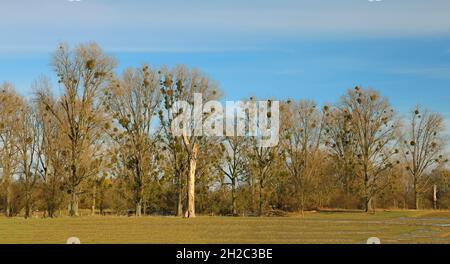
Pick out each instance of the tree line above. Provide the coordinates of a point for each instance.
(103, 144)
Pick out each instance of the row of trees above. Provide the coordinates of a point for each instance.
(105, 142)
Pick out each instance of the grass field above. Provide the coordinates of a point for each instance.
(390, 227)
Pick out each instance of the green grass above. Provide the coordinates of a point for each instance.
(390, 227)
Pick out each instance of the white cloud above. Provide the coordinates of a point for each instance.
(156, 23)
(349, 16)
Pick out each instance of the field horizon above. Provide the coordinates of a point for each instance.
(391, 226)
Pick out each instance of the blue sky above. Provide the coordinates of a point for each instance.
(285, 48)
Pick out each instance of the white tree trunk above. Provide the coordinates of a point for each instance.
(435, 197)
(138, 209)
(190, 212)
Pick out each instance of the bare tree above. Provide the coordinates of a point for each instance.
(423, 146)
(374, 129)
(182, 84)
(28, 132)
(262, 159)
(302, 133)
(175, 161)
(10, 105)
(99, 143)
(133, 101)
(52, 154)
(233, 164)
(340, 144)
(82, 74)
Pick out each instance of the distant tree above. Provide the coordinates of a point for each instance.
(28, 132)
(233, 164)
(181, 84)
(82, 73)
(374, 129)
(133, 101)
(423, 147)
(52, 154)
(302, 135)
(441, 187)
(149, 140)
(208, 175)
(340, 145)
(10, 105)
(175, 162)
(262, 159)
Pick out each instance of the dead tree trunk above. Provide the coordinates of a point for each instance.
(139, 208)
(435, 207)
(190, 212)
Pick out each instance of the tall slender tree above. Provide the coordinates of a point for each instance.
(133, 101)
(82, 73)
(233, 164)
(10, 105)
(51, 148)
(423, 147)
(182, 85)
(28, 133)
(341, 147)
(374, 128)
(302, 134)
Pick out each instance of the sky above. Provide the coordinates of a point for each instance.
(299, 49)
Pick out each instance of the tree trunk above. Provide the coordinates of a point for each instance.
(368, 204)
(139, 208)
(261, 199)
(51, 203)
(73, 204)
(27, 205)
(180, 195)
(144, 211)
(302, 204)
(435, 197)
(233, 196)
(139, 199)
(373, 206)
(190, 212)
(50, 212)
(8, 200)
(101, 201)
(367, 198)
(252, 195)
(416, 200)
(416, 195)
(94, 197)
